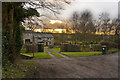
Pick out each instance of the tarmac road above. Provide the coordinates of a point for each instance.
(100, 66)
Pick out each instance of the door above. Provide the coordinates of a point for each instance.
(46, 43)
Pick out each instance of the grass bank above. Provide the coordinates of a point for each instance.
(18, 70)
(39, 55)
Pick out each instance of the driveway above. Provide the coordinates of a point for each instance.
(50, 50)
(101, 66)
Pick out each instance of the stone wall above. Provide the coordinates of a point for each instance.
(36, 48)
(66, 47)
(40, 47)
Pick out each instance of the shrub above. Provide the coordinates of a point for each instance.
(23, 50)
(85, 48)
(117, 41)
(66, 47)
(50, 46)
(113, 50)
(97, 47)
(109, 44)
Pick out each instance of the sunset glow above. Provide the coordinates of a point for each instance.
(59, 30)
(55, 21)
(70, 31)
(54, 31)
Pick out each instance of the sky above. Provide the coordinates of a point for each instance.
(95, 6)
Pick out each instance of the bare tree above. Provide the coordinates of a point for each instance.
(82, 24)
(104, 16)
(104, 19)
(75, 21)
(117, 27)
(52, 7)
(86, 23)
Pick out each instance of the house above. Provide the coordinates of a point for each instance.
(30, 36)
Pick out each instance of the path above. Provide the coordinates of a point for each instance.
(50, 50)
(102, 66)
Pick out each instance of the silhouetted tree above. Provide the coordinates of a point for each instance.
(104, 19)
(82, 24)
(86, 23)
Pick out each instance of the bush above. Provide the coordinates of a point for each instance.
(66, 47)
(109, 44)
(117, 41)
(50, 46)
(97, 47)
(112, 50)
(85, 48)
(23, 50)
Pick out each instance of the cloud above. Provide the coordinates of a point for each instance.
(96, 7)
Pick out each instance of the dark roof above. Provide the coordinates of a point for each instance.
(29, 31)
(43, 35)
(38, 34)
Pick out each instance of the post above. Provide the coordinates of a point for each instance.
(33, 45)
(33, 50)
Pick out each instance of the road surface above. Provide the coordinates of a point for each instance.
(100, 66)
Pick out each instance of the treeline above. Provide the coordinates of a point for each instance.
(82, 39)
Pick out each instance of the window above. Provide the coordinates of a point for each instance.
(40, 38)
(40, 42)
(45, 38)
(48, 38)
(27, 40)
(49, 42)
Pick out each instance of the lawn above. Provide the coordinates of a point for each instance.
(39, 55)
(56, 55)
(79, 54)
(46, 48)
(55, 49)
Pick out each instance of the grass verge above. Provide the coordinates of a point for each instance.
(79, 54)
(13, 72)
(30, 63)
(56, 55)
(113, 50)
(17, 70)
